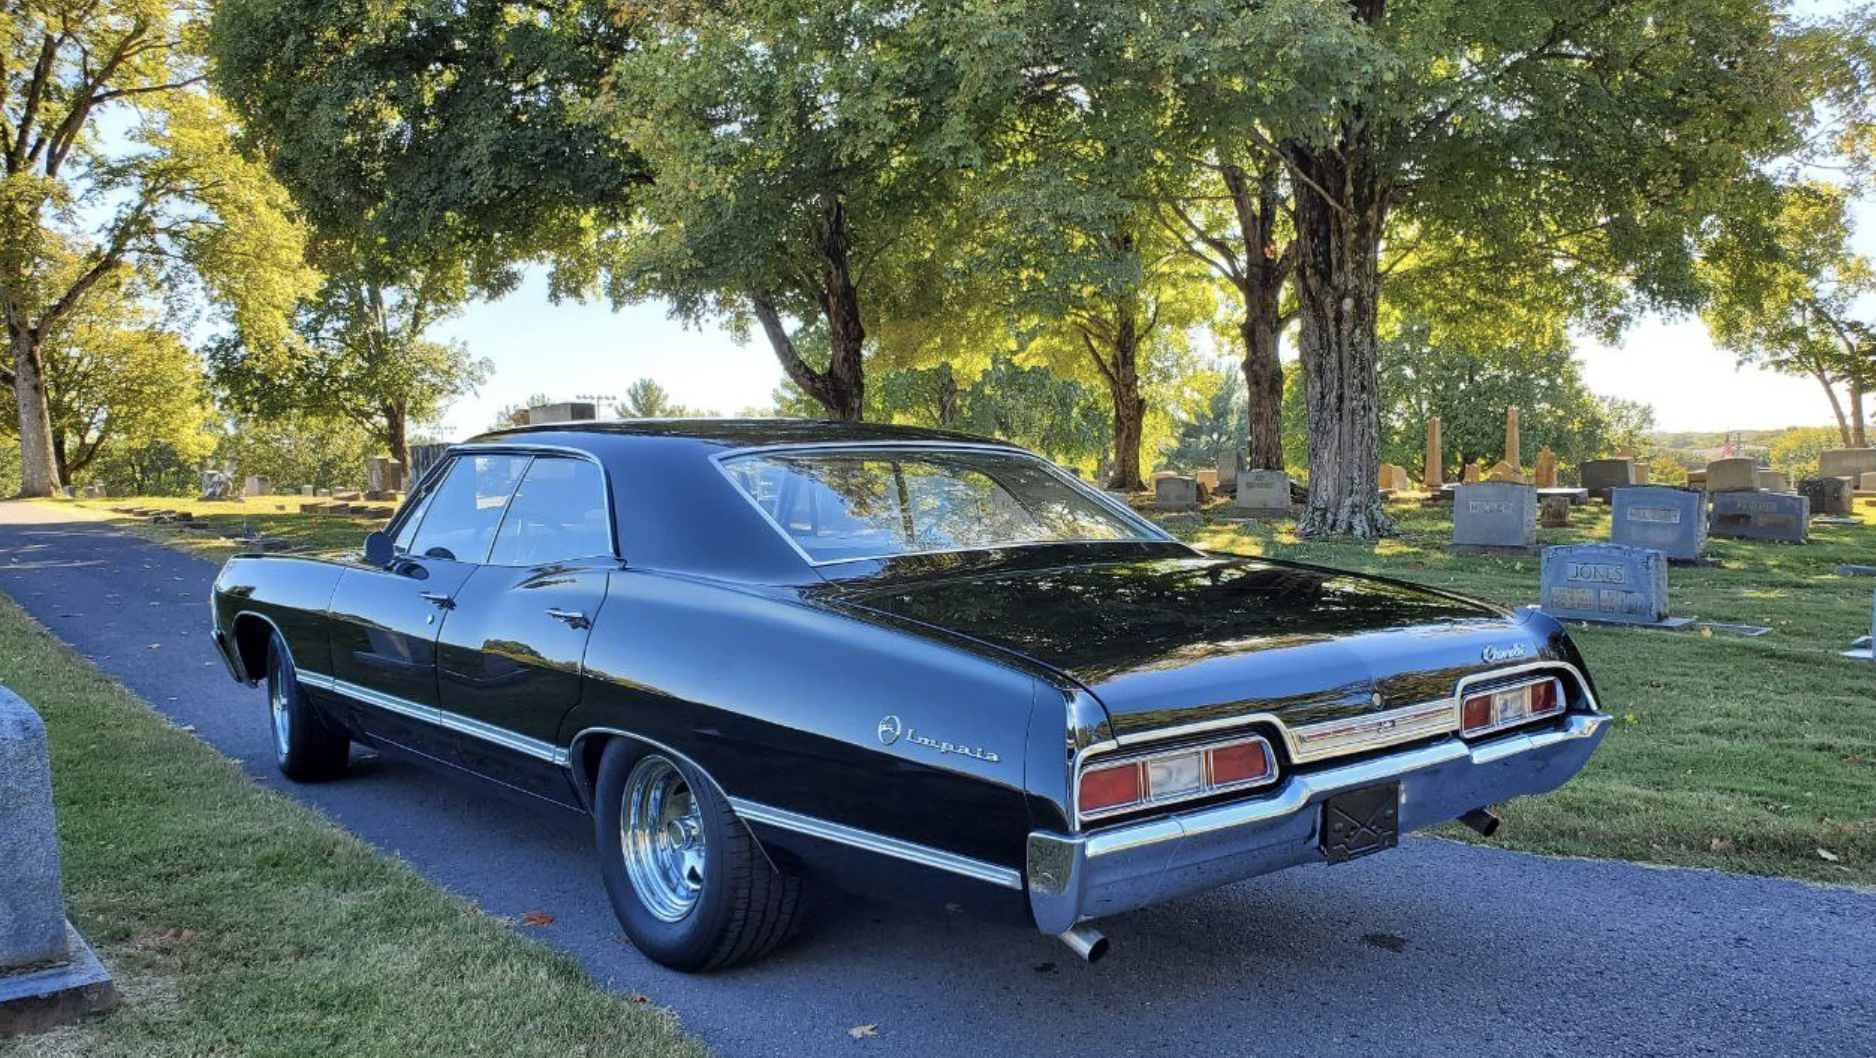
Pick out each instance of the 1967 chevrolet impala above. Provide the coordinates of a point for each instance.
(895, 661)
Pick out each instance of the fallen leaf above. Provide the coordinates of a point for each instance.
(536, 918)
(861, 1032)
(1706, 633)
(475, 907)
(1827, 856)
(1722, 845)
(638, 997)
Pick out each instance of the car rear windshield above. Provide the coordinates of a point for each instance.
(845, 505)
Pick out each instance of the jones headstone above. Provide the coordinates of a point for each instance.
(1262, 494)
(1174, 493)
(1602, 476)
(1761, 516)
(1495, 515)
(1669, 520)
(1605, 583)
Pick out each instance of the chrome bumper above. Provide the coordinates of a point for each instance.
(1075, 877)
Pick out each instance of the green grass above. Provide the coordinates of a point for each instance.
(239, 922)
(219, 528)
(1736, 753)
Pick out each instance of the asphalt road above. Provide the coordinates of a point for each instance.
(1434, 949)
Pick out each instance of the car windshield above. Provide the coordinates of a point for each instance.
(841, 505)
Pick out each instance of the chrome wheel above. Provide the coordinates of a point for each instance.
(277, 706)
(661, 830)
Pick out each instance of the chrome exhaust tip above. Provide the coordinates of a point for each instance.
(1085, 941)
(1481, 820)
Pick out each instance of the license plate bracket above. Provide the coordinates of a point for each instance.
(1357, 823)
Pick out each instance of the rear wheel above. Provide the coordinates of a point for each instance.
(306, 748)
(688, 881)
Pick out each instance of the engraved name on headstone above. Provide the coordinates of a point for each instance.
(1761, 516)
(1495, 515)
(1605, 583)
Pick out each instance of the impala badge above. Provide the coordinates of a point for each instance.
(891, 730)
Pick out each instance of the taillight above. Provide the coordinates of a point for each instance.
(1507, 706)
(1175, 775)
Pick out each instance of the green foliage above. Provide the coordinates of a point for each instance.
(1426, 372)
(1212, 420)
(1799, 450)
(298, 448)
(646, 399)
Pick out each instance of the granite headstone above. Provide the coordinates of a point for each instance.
(1761, 516)
(1827, 495)
(1495, 514)
(1606, 583)
(1669, 520)
(1602, 476)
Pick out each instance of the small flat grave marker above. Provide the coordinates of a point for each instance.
(1864, 649)
(1668, 520)
(1761, 516)
(1607, 584)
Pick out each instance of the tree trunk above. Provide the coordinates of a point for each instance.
(396, 434)
(61, 458)
(947, 399)
(39, 470)
(1836, 406)
(1859, 438)
(1123, 378)
(1260, 285)
(1338, 285)
(841, 389)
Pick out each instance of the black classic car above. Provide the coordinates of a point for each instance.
(896, 661)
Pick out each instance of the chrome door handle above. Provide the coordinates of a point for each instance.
(571, 618)
(437, 599)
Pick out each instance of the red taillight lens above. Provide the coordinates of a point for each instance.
(1103, 789)
(1243, 762)
(1512, 705)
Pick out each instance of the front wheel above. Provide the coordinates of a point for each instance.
(689, 883)
(306, 748)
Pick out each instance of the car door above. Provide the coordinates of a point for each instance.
(511, 652)
(385, 622)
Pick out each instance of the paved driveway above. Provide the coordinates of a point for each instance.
(1436, 949)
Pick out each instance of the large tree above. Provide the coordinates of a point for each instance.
(800, 154)
(1570, 137)
(1790, 294)
(163, 191)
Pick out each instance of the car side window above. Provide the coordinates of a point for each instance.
(462, 513)
(558, 513)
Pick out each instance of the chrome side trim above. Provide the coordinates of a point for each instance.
(391, 703)
(1332, 738)
(1154, 534)
(911, 852)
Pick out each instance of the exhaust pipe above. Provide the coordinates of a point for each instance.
(1481, 820)
(1085, 941)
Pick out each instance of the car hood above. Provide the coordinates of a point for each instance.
(1168, 641)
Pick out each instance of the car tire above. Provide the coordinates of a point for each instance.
(689, 882)
(306, 747)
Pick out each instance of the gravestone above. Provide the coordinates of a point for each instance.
(1546, 468)
(258, 485)
(47, 974)
(215, 485)
(1669, 520)
(1761, 516)
(383, 475)
(1514, 451)
(1554, 511)
(1732, 475)
(1643, 473)
(1850, 463)
(1504, 473)
(1207, 479)
(423, 457)
(1495, 515)
(1471, 476)
(1603, 476)
(568, 411)
(1867, 483)
(1697, 479)
(322, 493)
(1174, 493)
(1229, 462)
(1773, 481)
(1432, 473)
(1262, 494)
(1607, 584)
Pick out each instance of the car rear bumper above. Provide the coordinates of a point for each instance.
(1075, 877)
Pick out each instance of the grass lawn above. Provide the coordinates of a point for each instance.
(239, 922)
(222, 528)
(1755, 755)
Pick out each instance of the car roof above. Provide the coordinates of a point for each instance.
(726, 433)
(675, 509)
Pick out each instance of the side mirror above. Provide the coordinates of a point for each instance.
(378, 550)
